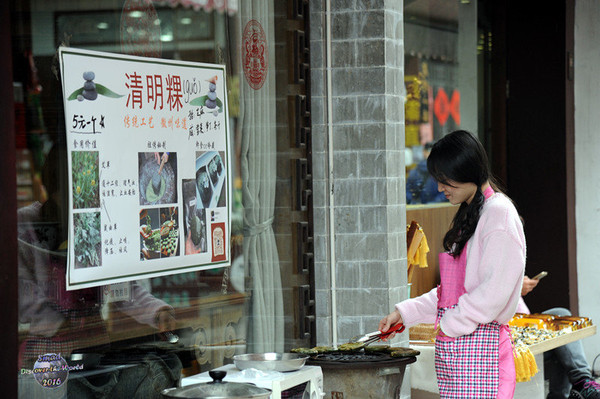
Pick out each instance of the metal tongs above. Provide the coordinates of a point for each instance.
(378, 335)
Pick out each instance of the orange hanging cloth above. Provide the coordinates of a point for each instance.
(417, 248)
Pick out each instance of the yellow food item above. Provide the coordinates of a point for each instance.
(528, 322)
(549, 322)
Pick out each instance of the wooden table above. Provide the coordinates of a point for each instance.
(423, 379)
(561, 340)
(535, 388)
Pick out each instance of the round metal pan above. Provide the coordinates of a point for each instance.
(270, 361)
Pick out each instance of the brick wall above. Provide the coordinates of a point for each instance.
(368, 163)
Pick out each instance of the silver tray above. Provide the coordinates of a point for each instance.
(270, 361)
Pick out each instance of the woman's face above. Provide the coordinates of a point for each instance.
(458, 193)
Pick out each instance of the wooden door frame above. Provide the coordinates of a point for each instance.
(570, 152)
(501, 90)
(8, 214)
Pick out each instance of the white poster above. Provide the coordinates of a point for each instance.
(149, 167)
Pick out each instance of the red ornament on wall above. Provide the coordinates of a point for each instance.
(455, 106)
(441, 106)
(444, 107)
(255, 54)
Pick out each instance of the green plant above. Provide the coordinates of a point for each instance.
(88, 240)
(86, 193)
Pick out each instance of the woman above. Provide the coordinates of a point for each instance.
(481, 277)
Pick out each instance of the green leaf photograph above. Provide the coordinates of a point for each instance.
(88, 239)
(85, 175)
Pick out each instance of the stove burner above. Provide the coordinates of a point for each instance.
(358, 360)
(352, 357)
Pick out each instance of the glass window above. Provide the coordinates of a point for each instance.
(441, 80)
(158, 328)
(441, 84)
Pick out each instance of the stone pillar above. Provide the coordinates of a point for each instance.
(369, 205)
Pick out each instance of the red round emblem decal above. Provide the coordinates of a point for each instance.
(255, 54)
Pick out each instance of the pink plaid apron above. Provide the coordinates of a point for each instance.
(470, 366)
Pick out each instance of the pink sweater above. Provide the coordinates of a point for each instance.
(494, 275)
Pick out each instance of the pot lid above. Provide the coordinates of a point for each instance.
(218, 389)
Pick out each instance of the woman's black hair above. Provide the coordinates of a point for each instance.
(459, 157)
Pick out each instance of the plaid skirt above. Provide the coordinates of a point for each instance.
(467, 367)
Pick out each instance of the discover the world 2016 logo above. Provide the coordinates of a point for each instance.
(51, 370)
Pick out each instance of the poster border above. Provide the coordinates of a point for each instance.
(80, 284)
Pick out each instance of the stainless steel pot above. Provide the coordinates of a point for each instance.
(218, 389)
(270, 361)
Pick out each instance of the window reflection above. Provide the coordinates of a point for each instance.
(208, 313)
(88, 319)
(56, 321)
(421, 187)
(432, 107)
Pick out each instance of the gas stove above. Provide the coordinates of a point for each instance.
(359, 359)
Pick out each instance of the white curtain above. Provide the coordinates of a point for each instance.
(258, 164)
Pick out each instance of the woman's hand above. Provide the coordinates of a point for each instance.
(165, 320)
(528, 285)
(388, 321)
